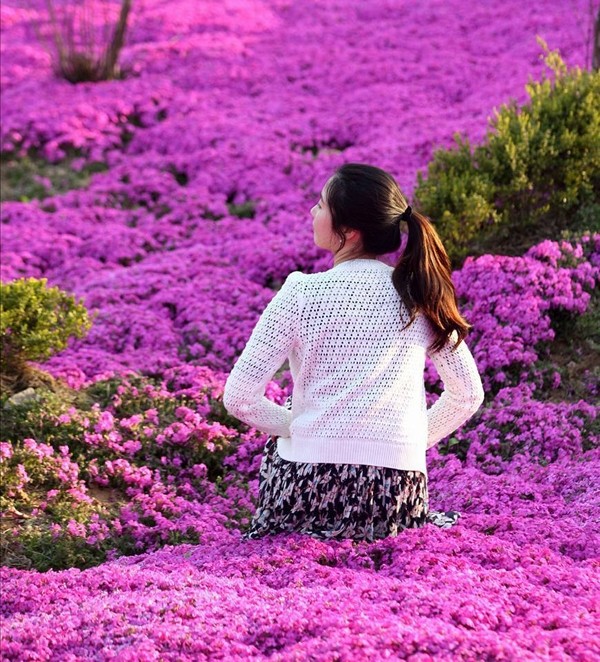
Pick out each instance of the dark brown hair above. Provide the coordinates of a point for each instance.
(369, 200)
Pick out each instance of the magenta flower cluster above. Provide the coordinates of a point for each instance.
(230, 119)
(511, 300)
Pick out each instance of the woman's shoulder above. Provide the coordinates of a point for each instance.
(302, 277)
(334, 280)
(294, 276)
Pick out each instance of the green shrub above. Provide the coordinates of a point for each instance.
(36, 321)
(536, 173)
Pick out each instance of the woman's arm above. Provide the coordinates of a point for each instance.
(267, 348)
(463, 390)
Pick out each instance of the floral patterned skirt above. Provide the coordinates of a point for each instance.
(339, 501)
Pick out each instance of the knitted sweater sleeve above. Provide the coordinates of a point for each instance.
(463, 390)
(267, 348)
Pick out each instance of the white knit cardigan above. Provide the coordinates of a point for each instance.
(358, 388)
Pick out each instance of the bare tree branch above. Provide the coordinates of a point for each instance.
(74, 38)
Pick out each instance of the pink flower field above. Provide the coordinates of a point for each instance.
(213, 147)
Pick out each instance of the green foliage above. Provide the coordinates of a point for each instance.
(457, 194)
(42, 549)
(243, 210)
(575, 354)
(66, 461)
(588, 217)
(23, 474)
(36, 419)
(36, 321)
(132, 395)
(30, 177)
(536, 173)
(455, 446)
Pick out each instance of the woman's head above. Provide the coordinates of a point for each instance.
(359, 205)
(363, 205)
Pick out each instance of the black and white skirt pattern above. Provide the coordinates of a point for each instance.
(339, 501)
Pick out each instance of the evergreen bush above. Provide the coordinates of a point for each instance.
(536, 174)
(36, 321)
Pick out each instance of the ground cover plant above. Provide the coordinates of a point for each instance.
(173, 201)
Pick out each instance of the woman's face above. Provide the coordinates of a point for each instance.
(324, 236)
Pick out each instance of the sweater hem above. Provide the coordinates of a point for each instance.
(404, 456)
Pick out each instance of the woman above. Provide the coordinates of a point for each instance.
(346, 457)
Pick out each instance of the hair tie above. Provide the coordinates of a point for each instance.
(406, 214)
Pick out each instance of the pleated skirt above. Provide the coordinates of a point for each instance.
(339, 501)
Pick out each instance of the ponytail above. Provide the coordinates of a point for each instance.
(423, 280)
